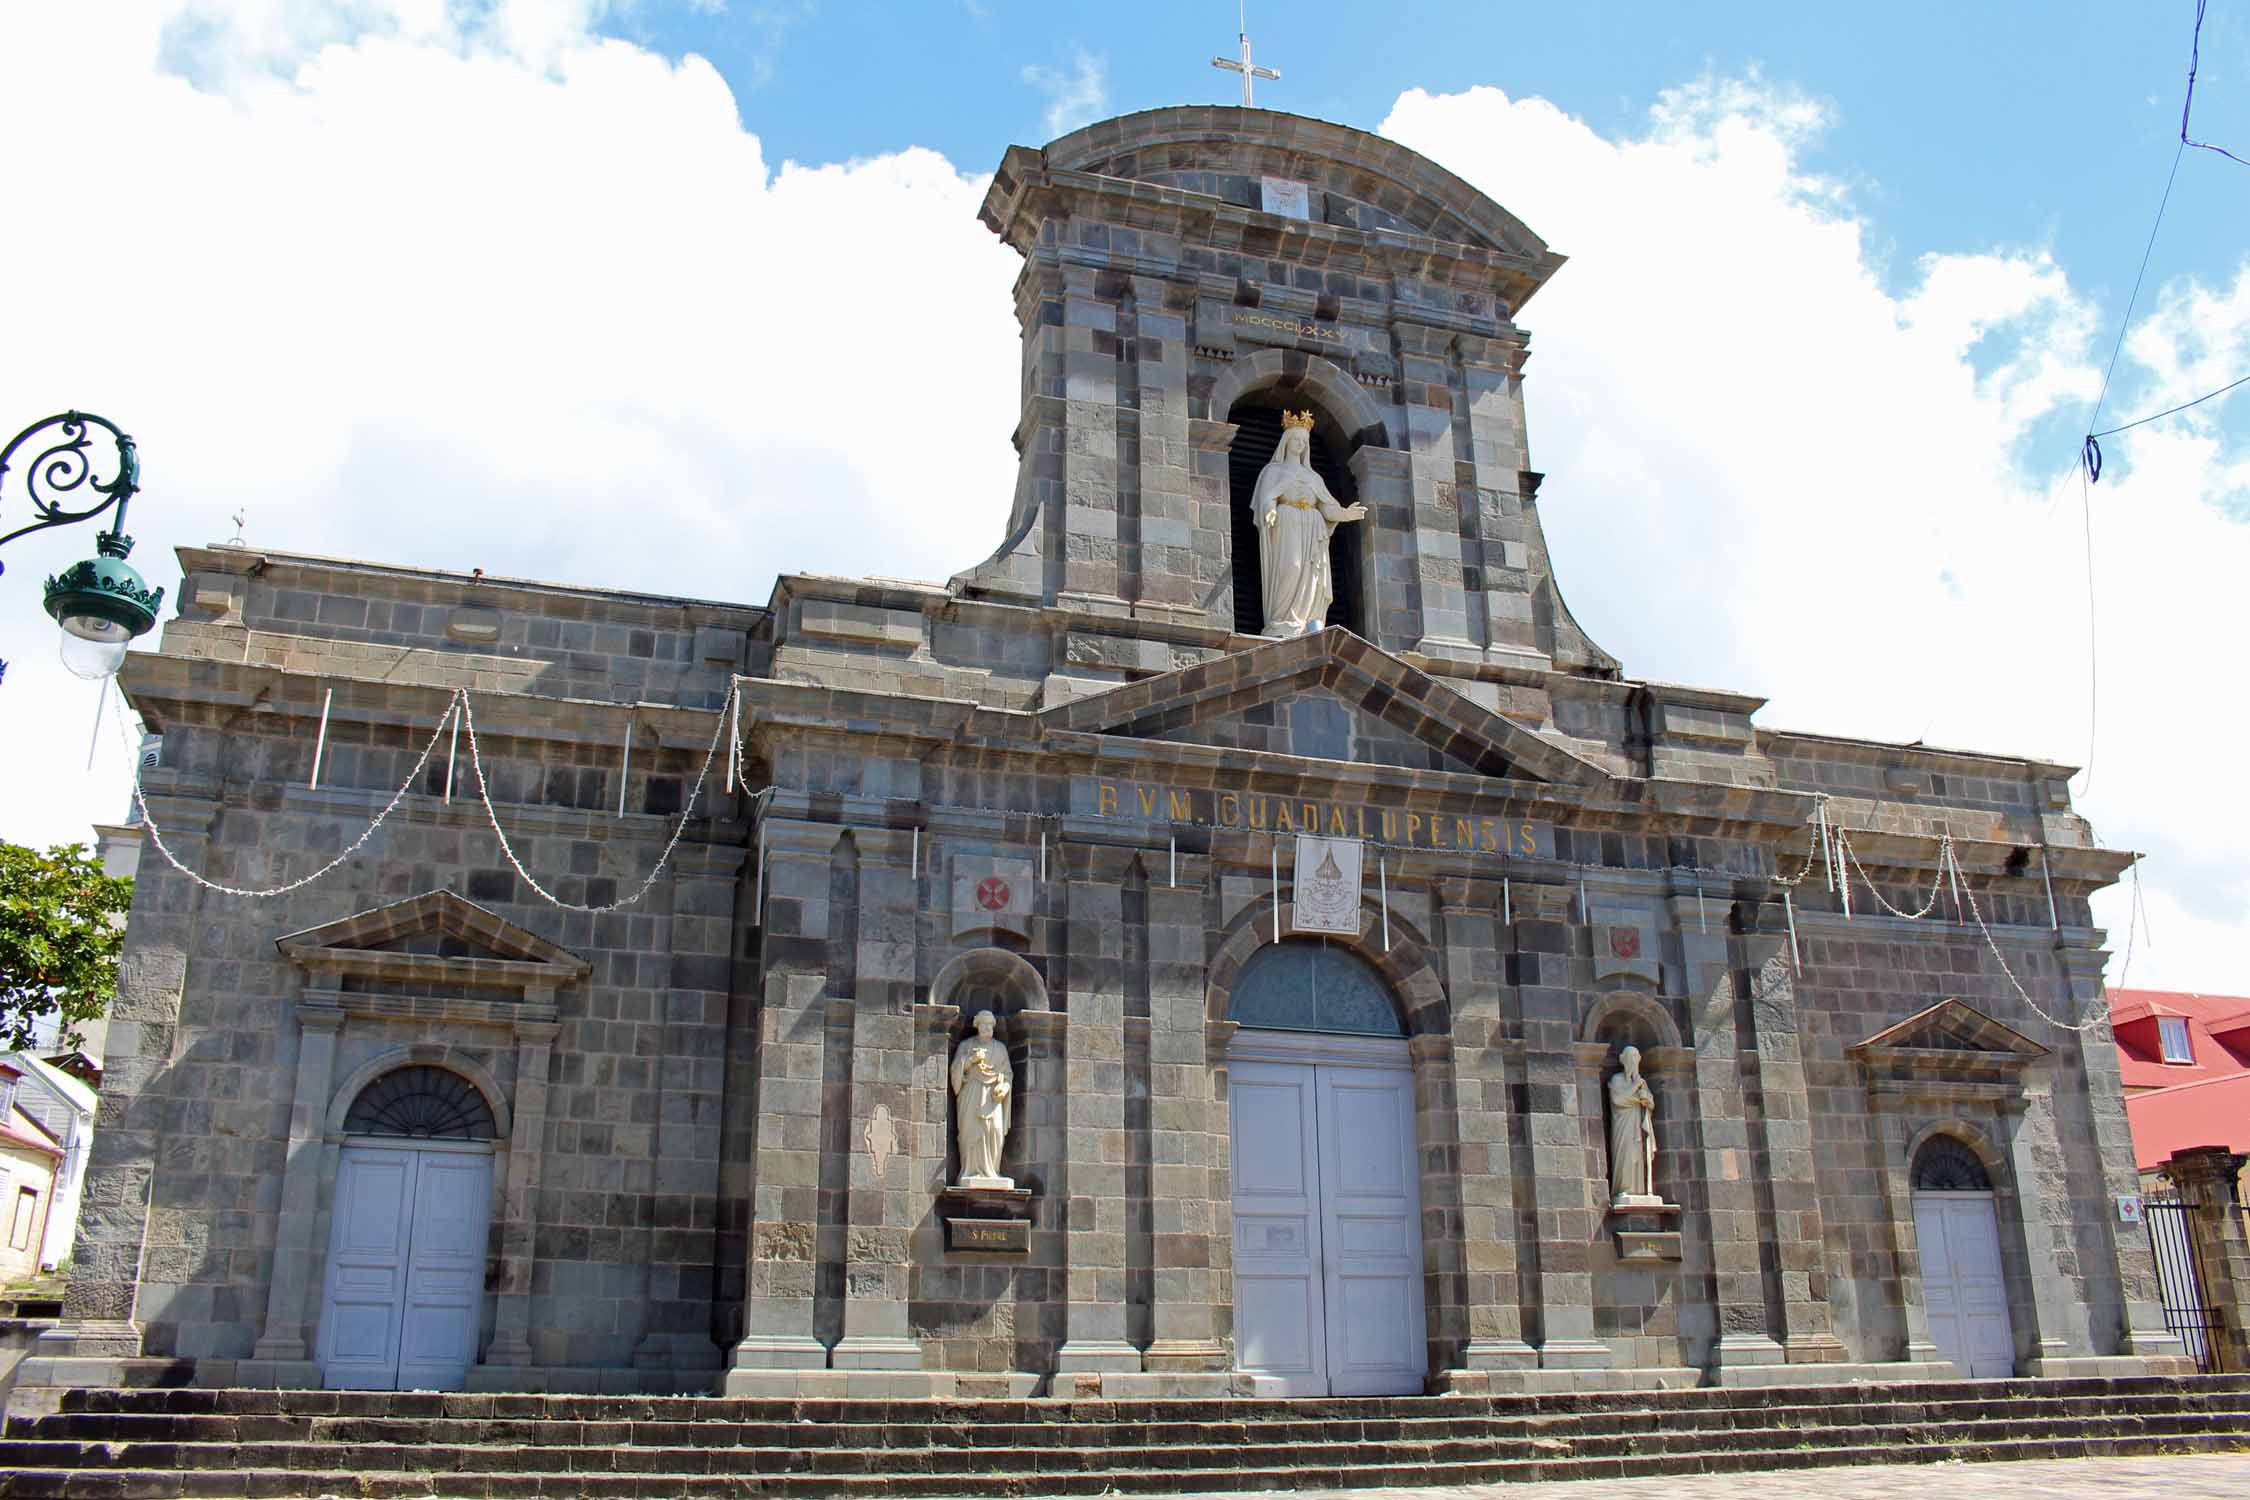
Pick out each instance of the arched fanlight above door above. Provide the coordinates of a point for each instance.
(422, 1103)
(1313, 986)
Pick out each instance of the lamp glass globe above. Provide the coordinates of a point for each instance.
(93, 647)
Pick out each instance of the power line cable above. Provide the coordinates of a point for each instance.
(2153, 416)
(2090, 451)
(2195, 58)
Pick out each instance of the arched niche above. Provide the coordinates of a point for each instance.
(1252, 396)
(990, 979)
(1354, 419)
(1630, 1018)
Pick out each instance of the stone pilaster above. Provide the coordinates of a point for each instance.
(1895, 1170)
(2144, 1332)
(1390, 585)
(144, 1021)
(2042, 1189)
(930, 1137)
(1785, 1125)
(288, 1333)
(1730, 1173)
(784, 1209)
(519, 1202)
(692, 1067)
(1211, 501)
(1491, 401)
(1034, 1158)
(881, 1203)
(1168, 571)
(1493, 1295)
(1426, 396)
(1566, 1200)
(1187, 1160)
(1088, 355)
(1093, 1168)
(2209, 1179)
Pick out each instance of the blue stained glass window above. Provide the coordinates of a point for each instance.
(1313, 986)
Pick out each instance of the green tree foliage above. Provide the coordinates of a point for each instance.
(59, 938)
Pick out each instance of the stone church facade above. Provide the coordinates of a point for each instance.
(412, 1123)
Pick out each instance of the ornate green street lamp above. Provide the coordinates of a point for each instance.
(103, 603)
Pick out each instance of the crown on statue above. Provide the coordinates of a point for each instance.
(1302, 419)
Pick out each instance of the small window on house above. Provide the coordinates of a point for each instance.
(2172, 1032)
(26, 1213)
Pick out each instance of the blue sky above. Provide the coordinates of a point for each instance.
(1951, 126)
(600, 290)
(1954, 124)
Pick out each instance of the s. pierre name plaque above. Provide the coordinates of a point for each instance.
(993, 1236)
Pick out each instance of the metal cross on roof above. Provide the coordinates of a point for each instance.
(1246, 68)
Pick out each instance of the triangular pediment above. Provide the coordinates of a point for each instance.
(1329, 695)
(436, 936)
(1954, 1027)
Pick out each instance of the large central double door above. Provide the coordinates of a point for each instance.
(405, 1282)
(1327, 1239)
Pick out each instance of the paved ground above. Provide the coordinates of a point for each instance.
(2189, 1477)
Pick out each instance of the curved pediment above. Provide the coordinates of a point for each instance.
(1360, 181)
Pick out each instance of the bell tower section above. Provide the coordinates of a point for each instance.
(1188, 274)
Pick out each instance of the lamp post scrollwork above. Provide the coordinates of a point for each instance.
(101, 603)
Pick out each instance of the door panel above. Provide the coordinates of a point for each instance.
(1963, 1284)
(404, 1286)
(1280, 1322)
(1327, 1241)
(1370, 1213)
(445, 1275)
(366, 1278)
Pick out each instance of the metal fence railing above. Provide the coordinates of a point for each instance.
(2172, 1239)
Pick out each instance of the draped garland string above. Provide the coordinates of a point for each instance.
(1828, 846)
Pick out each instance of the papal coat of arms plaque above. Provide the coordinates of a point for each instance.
(1327, 885)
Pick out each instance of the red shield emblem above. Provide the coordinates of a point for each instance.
(1625, 942)
(992, 893)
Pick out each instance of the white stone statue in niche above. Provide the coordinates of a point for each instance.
(1632, 1135)
(984, 1101)
(1295, 515)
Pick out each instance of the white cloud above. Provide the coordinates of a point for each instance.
(1768, 473)
(468, 286)
(1076, 95)
(542, 308)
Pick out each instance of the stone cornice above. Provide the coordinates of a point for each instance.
(352, 576)
(165, 687)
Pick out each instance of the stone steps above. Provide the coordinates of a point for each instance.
(1441, 1425)
(270, 1402)
(183, 1443)
(972, 1462)
(236, 1484)
(967, 1467)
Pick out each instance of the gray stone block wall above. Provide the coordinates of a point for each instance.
(730, 1126)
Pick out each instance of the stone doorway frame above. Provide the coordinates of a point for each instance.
(1425, 1015)
(525, 974)
(1952, 1070)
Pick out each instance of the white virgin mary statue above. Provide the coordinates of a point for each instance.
(1295, 516)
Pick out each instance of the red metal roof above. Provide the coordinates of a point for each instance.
(2218, 1037)
(2214, 1112)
